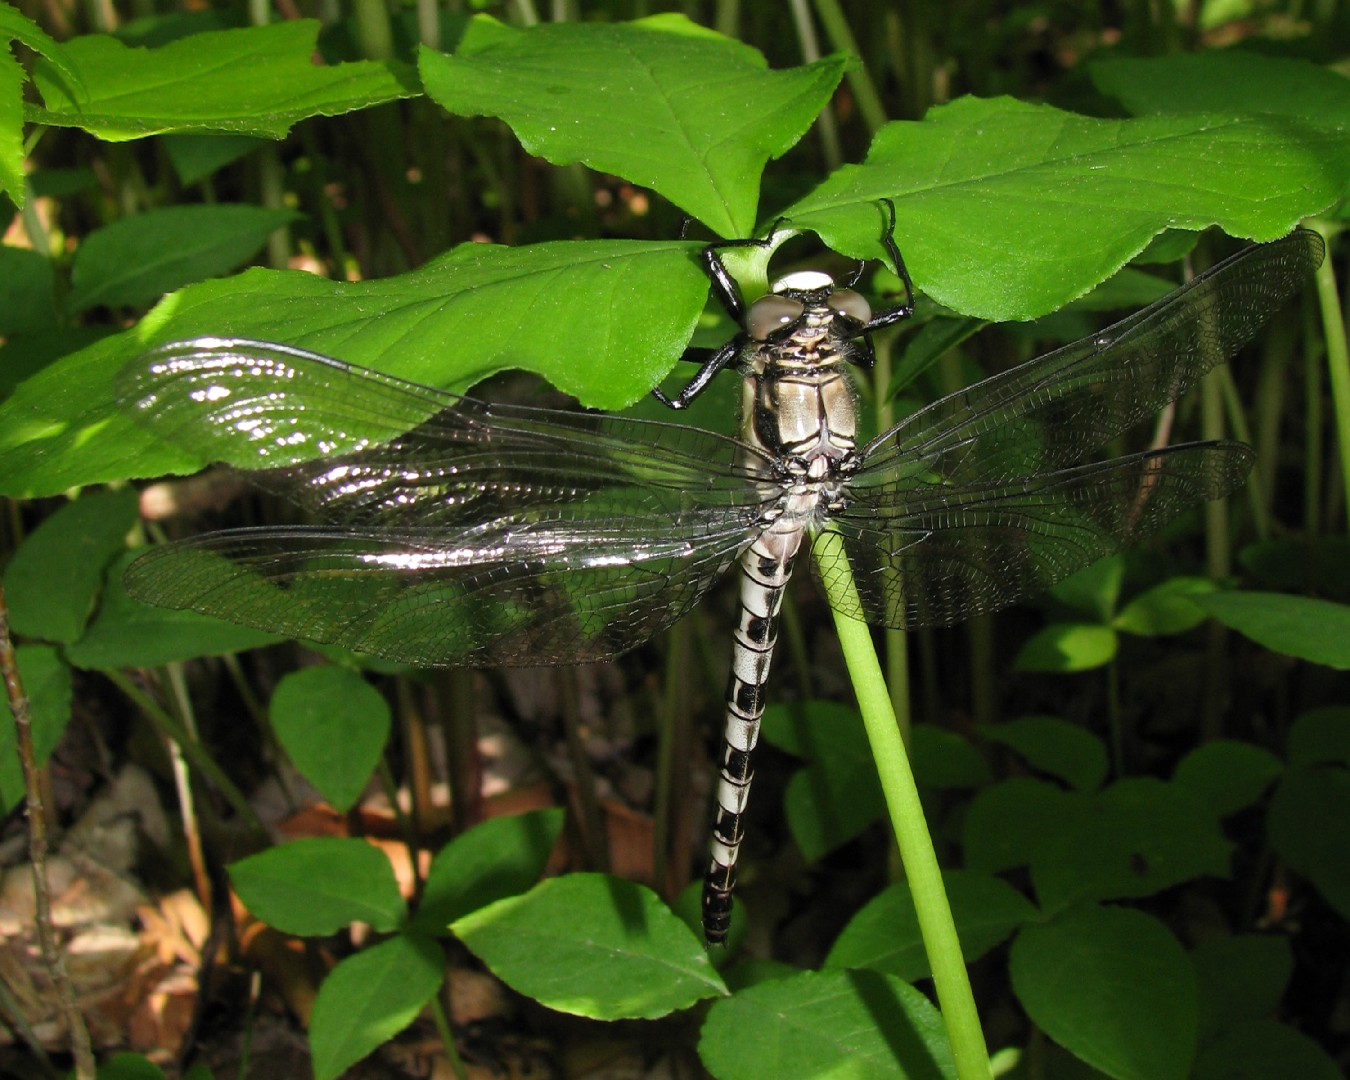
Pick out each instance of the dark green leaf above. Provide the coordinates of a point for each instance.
(260, 80)
(27, 303)
(1321, 737)
(1006, 823)
(1241, 978)
(944, 760)
(1264, 1050)
(137, 259)
(47, 685)
(129, 1067)
(884, 935)
(592, 946)
(1227, 82)
(1094, 591)
(1316, 564)
(319, 886)
(1165, 609)
(333, 726)
(1063, 648)
(1056, 747)
(55, 576)
(1112, 986)
(195, 157)
(826, 1024)
(499, 858)
(661, 102)
(1309, 826)
(127, 633)
(1228, 776)
(980, 235)
(369, 998)
(1297, 626)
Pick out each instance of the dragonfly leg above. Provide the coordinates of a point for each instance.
(892, 315)
(711, 365)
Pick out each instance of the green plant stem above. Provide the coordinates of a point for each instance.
(955, 999)
(442, 1020)
(1338, 357)
(192, 750)
(841, 38)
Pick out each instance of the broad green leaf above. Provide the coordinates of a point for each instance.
(127, 633)
(1054, 746)
(319, 886)
(837, 794)
(1318, 564)
(1241, 978)
(1112, 986)
(1309, 826)
(1094, 591)
(12, 78)
(980, 234)
(260, 80)
(333, 726)
(661, 102)
(1134, 838)
(565, 310)
(1006, 823)
(1226, 775)
(129, 1067)
(592, 946)
(195, 157)
(841, 1025)
(369, 998)
(1312, 630)
(137, 259)
(1321, 737)
(1227, 82)
(14, 26)
(944, 760)
(1165, 609)
(499, 858)
(1068, 647)
(53, 580)
(27, 302)
(1264, 1050)
(47, 685)
(885, 936)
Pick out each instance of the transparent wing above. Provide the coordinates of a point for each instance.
(461, 533)
(1051, 411)
(933, 554)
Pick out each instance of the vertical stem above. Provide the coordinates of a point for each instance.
(182, 783)
(810, 50)
(1338, 360)
(859, 81)
(37, 851)
(955, 999)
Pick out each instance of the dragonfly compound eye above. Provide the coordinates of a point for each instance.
(770, 314)
(847, 302)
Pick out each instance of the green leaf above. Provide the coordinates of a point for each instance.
(592, 946)
(1321, 737)
(1054, 746)
(1227, 82)
(47, 684)
(129, 1067)
(27, 302)
(1312, 630)
(1134, 838)
(137, 259)
(944, 760)
(369, 998)
(333, 726)
(12, 78)
(661, 102)
(1241, 978)
(1264, 1050)
(55, 576)
(260, 80)
(473, 312)
(1309, 826)
(127, 633)
(14, 26)
(1094, 591)
(195, 157)
(319, 886)
(1165, 609)
(884, 935)
(1112, 986)
(499, 858)
(1006, 823)
(1226, 775)
(836, 1024)
(981, 236)
(1063, 648)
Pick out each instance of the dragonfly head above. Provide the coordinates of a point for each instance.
(777, 313)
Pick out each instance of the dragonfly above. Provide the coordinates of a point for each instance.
(457, 532)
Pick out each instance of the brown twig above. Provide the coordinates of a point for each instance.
(37, 852)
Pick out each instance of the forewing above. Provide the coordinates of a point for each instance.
(925, 552)
(461, 533)
(1050, 412)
